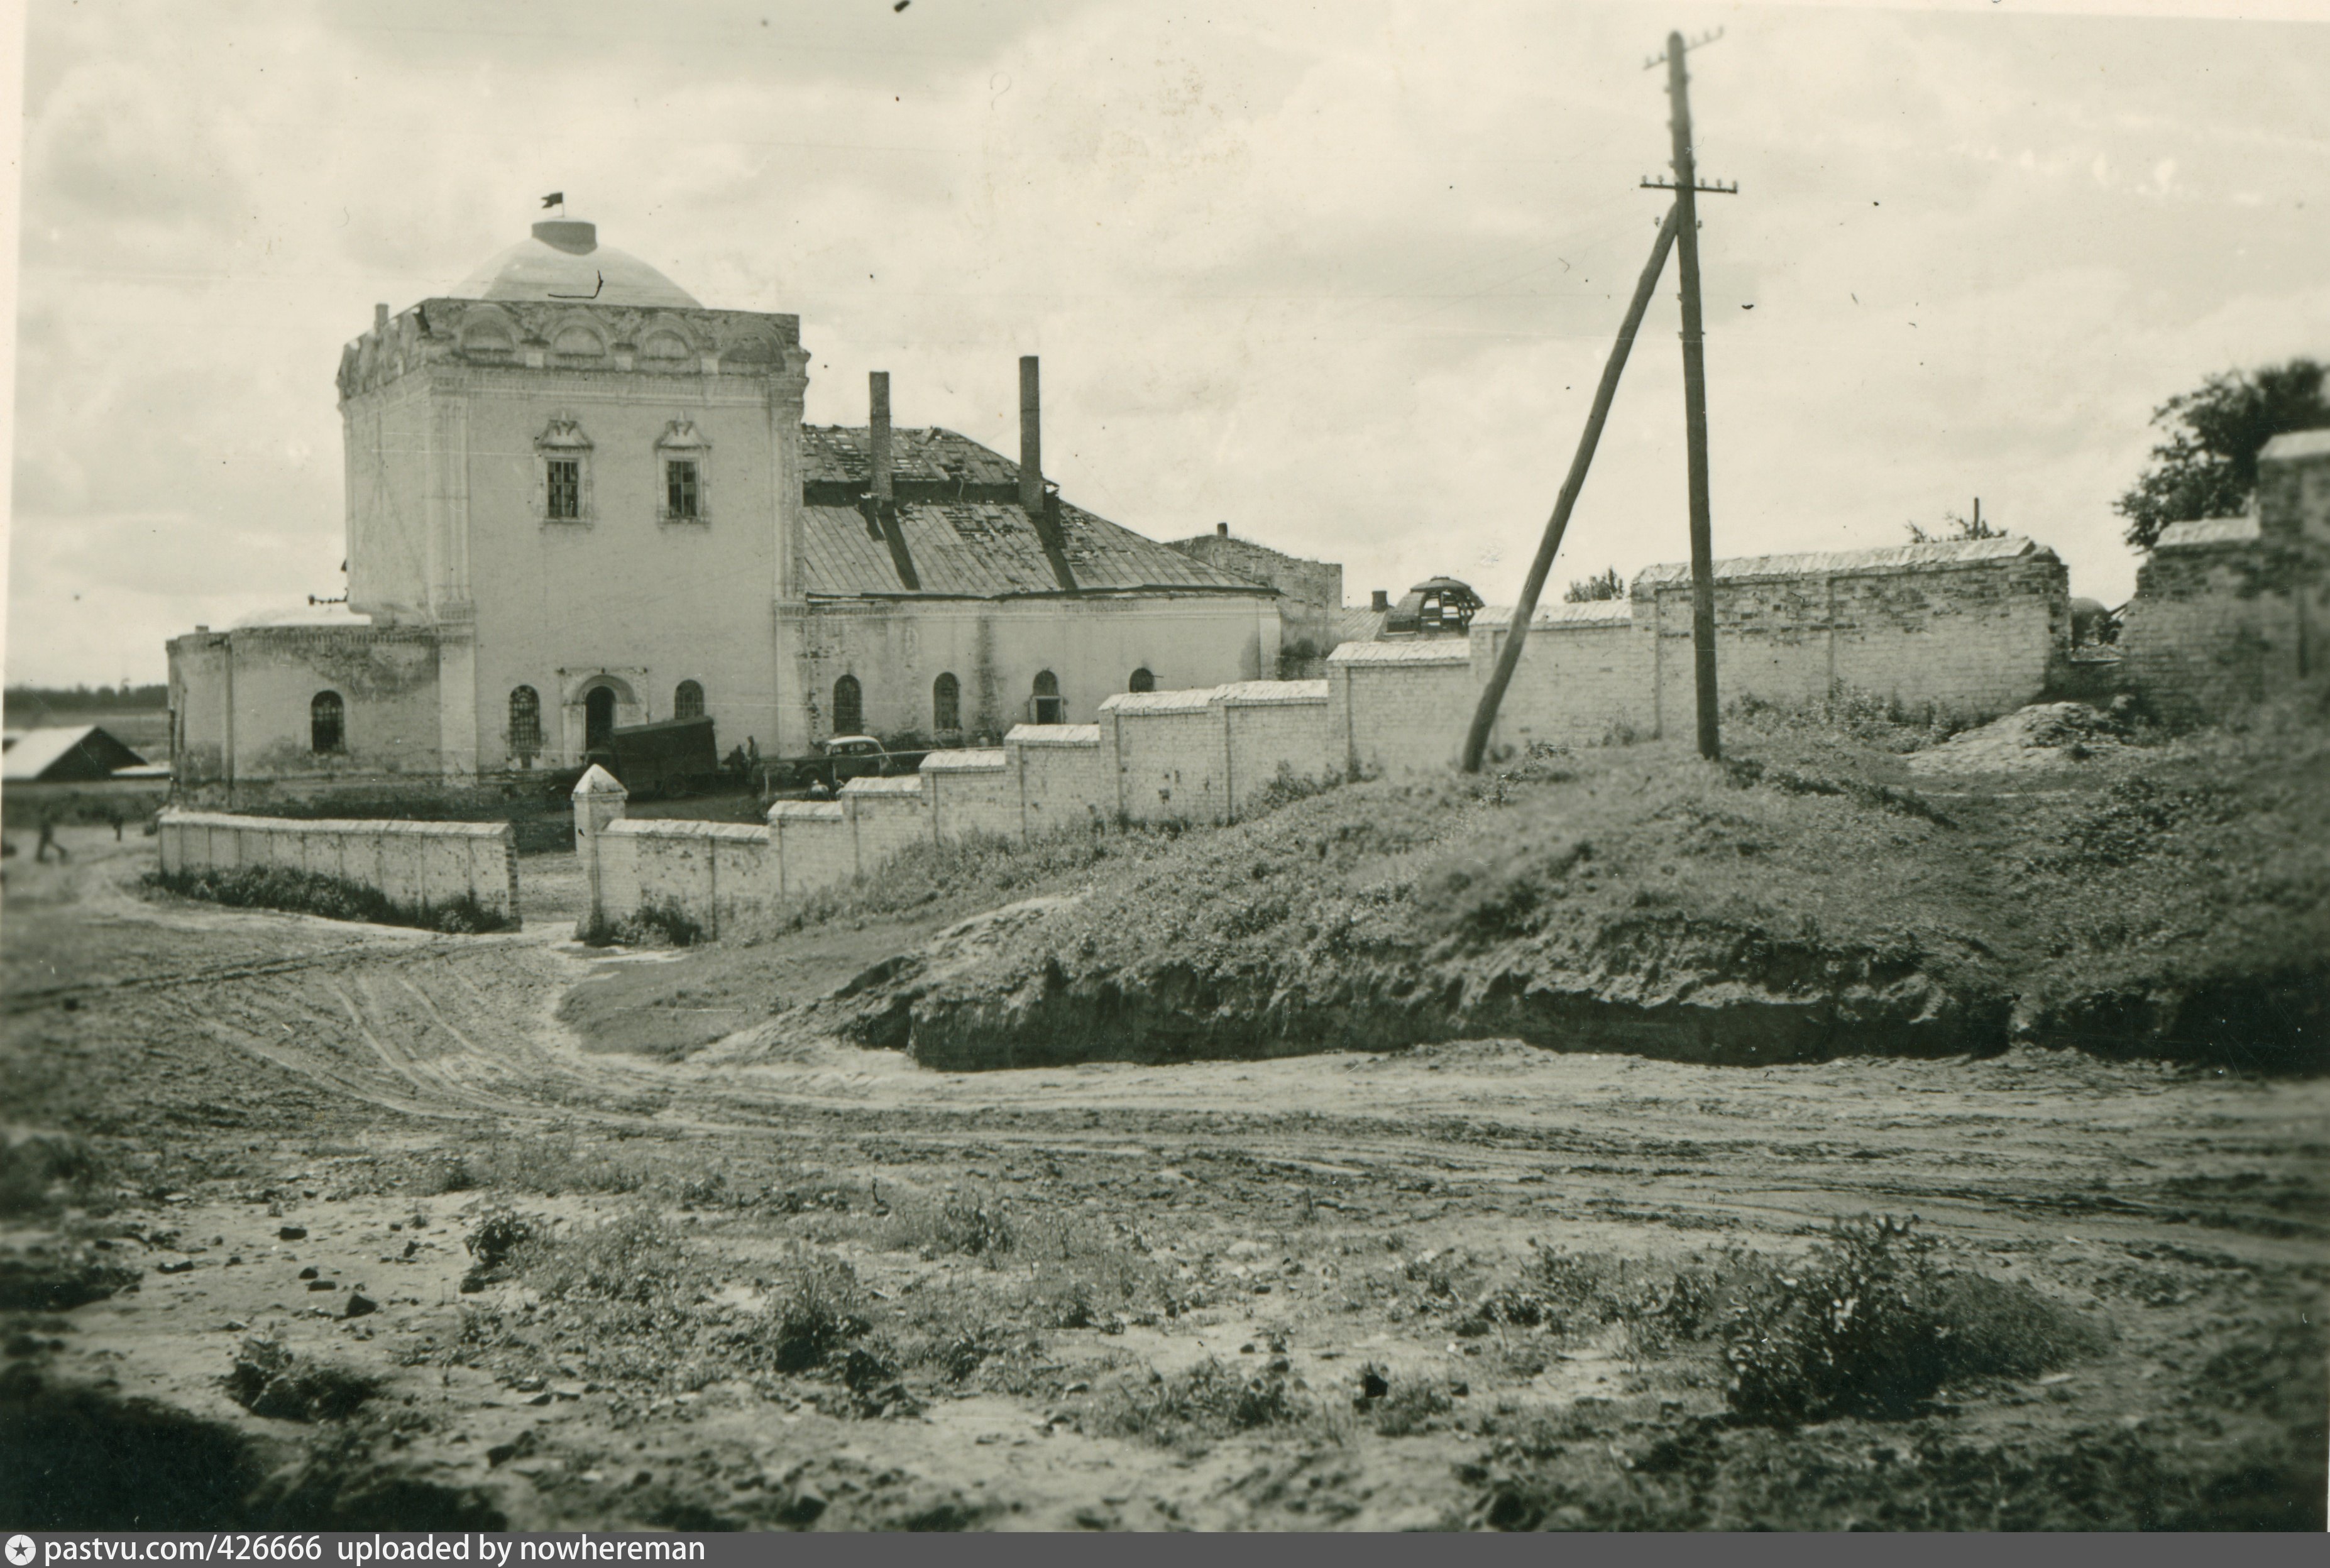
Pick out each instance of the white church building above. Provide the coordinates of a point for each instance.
(578, 499)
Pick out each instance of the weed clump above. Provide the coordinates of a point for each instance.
(1188, 1410)
(820, 1307)
(655, 924)
(41, 1173)
(633, 1257)
(1870, 1325)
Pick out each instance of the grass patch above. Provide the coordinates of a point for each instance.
(651, 925)
(308, 893)
(1802, 900)
(1190, 1411)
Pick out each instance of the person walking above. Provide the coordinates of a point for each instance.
(49, 840)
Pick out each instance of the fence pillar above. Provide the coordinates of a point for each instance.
(598, 799)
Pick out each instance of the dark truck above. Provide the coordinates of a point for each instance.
(838, 760)
(665, 758)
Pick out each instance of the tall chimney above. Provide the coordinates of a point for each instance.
(1031, 439)
(379, 321)
(877, 442)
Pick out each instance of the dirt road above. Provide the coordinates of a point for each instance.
(248, 1072)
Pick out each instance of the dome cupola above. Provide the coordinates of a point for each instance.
(563, 261)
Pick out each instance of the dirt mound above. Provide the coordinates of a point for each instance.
(2045, 735)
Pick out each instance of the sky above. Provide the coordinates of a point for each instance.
(1340, 275)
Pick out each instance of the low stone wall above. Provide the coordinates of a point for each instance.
(2225, 614)
(420, 865)
(720, 875)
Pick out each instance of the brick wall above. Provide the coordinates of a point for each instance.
(720, 874)
(2220, 622)
(1583, 676)
(1271, 729)
(1064, 778)
(1166, 751)
(1398, 707)
(2233, 610)
(814, 845)
(414, 864)
(972, 792)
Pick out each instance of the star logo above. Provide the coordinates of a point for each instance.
(20, 1550)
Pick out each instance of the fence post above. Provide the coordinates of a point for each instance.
(598, 799)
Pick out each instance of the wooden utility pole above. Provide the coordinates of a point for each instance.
(1484, 716)
(1694, 402)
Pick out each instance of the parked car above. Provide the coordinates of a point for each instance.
(841, 759)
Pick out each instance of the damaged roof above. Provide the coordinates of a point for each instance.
(962, 532)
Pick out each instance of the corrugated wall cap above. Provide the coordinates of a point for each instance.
(1194, 700)
(1054, 735)
(2204, 532)
(968, 760)
(1438, 650)
(905, 784)
(2294, 444)
(1586, 610)
(1272, 693)
(1937, 554)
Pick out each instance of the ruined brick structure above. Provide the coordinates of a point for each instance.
(1311, 599)
(2231, 609)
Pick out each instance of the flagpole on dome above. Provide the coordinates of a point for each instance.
(556, 199)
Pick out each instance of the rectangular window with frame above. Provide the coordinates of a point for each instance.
(680, 490)
(566, 489)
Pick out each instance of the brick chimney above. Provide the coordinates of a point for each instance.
(877, 436)
(1380, 598)
(1031, 439)
(1221, 530)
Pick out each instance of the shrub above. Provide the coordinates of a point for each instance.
(42, 1172)
(309, 892)
(819, 1308)
(1870, 1325)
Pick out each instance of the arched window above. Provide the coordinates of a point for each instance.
(1143, 680)
(1047, 706)
(849, 706)
(687, 701)
(599, 718)
(327, 723)
(947, 704)
(525, 722)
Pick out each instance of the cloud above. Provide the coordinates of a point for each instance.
(1341, 276)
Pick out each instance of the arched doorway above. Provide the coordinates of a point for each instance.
(598, 718)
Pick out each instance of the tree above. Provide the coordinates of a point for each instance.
(1608, 584)
(2207, 468)
(1954, 527)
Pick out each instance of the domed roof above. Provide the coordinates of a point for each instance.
(565, 261)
